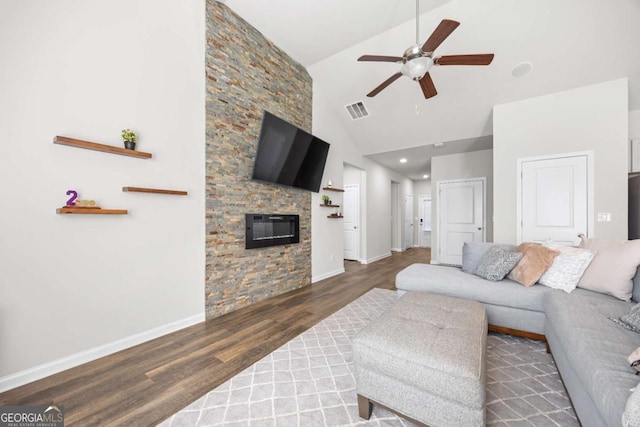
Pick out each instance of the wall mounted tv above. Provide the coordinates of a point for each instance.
(288, 155)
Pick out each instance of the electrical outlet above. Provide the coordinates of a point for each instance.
(604, 216)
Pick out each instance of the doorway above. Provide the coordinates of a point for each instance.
(408, 221)
(351, 222)
(424, 227)
(461, 212)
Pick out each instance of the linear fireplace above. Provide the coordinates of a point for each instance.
(264, 230)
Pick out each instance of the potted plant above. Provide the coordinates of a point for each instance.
(129, 138)
(326, 199)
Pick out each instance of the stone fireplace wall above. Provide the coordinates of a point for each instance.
(247, 74)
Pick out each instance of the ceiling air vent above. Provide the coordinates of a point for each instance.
(357, 110)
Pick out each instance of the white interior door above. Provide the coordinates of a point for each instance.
(408, 221)
(461, 217)
(351, 221)
(424, 232)
(554, 199)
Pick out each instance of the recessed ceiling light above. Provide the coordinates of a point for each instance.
(425, 176)
(403, 160)
(438, 145)
(521, 69)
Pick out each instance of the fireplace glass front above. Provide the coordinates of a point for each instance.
(264, 230)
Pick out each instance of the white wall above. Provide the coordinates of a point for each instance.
(634, 124)
(85, 283)
(589, 118)
(326, 236)
(457, 166)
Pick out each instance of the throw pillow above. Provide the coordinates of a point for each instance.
(567, 268)
(631, 414)
(631, 320)
(535, 262)
(612, 270)
(472, 253)
(496, 263)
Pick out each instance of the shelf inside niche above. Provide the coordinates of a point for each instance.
(335, 216)
(88, 145)
(339, 190)
(154, 191)
(91, 211)
(329, 206)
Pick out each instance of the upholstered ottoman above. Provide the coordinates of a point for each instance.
(424, 358)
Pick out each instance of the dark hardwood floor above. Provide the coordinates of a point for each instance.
(145, 384)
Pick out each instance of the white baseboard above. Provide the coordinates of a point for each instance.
(435, 261)
(378, 258)
(320, 277)
(397, 250)
(26, 376)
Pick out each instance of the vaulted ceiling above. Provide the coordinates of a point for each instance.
(570, 43)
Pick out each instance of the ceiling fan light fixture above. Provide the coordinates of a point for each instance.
(416, 68)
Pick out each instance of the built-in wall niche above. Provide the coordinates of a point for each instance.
(332, 205)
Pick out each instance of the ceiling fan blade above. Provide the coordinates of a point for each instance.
(380, 58)
(428, 88)
(479, 59)
(384, 84)
(443, 31)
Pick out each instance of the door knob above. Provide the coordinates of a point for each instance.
(479, 228)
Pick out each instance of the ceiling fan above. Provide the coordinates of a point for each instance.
(418, 59)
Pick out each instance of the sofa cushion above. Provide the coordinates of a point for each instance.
(567, 268)
(497, 263)
(452, 281)
(535, 262)
(472, 253)
(612, 269)
(596, 348)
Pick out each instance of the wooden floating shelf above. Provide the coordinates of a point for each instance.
(78, 143)
(335, 216)
(91, 211)
(154, 191)
(329, 206)
(339, 190)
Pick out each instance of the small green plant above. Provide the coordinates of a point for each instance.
(326, 199)
(129, 135)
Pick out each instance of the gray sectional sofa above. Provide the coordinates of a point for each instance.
(590, 350)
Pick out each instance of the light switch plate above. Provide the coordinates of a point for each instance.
(604, 216)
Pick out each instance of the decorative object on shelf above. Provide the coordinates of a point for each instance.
(329, 183)
(86, 204)
(72, 200)
(129, 138)
(326, 199)
(153, 190)
(78, 143)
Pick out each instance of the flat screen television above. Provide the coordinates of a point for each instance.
(287, 155)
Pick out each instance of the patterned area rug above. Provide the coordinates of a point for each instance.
(309, 382)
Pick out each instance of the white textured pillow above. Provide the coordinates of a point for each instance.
(567, 268)
(613, 268)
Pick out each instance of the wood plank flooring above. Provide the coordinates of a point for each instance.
(145, 384)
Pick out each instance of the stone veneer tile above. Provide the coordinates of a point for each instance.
(247, 74)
